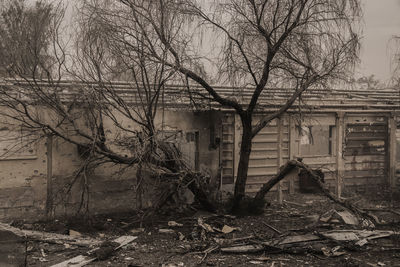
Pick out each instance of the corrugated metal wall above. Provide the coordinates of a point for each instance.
(365, 151)
(263, 163)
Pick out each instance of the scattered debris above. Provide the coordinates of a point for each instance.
(292, 239)
(362, 242)
(92, 255)
(166, 231)
(180, 264)
(204, 225)
(137, 230)
(181, 236)
(356, 235)
(334, 252)
(174, 224)
(227, 229)
(263, 259)
(333, 216)
(225, 242)
(216, 239)
(348, 218)
(74, 233)
(294, 203)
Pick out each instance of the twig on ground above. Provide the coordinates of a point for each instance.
(208, 251)
(272, 228)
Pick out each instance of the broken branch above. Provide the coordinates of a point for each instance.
(50, 237)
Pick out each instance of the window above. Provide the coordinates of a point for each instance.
(315, 140)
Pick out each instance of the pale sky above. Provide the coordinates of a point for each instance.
(382, 21)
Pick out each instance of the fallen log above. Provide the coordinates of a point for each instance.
(284, 170)
(292, 164)
(244, 249)
(50, 237)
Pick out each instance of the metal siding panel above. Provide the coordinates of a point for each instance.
(365, 151)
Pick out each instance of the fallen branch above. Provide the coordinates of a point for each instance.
(291, 165)
(272, 228)
(284, 170)
(244, 249)
(226, 242)
(50, 237)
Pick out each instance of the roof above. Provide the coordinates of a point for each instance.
(178, 96)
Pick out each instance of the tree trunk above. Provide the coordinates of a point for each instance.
(284, 170)
(245, 150)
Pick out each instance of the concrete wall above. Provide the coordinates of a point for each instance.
(24, 175)
(23, 185)
(23, 179)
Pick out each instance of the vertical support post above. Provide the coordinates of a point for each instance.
(292, 144)
(49, 197)
(279, 155)
(339, 152)
(236, 144)
(392, 150)
(197, 151)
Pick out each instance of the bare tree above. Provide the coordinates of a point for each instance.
(395, 45)
(259, 43)
(83, 113)
(24, 35)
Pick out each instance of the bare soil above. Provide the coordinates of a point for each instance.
(189, 245)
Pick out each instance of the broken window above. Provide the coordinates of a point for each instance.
(315, 140)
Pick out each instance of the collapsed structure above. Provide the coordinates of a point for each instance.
(353, 136)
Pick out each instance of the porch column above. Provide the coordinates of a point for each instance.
(49, 196)
(392, 150)
(279, 122)
(292, 144)
(339, 152)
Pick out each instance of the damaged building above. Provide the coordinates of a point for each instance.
(353, 136)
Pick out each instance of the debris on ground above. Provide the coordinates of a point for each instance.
(319, 233)
(174, 224)
(102, 253)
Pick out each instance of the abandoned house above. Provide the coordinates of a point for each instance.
(353, 136)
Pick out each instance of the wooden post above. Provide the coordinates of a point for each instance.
(339, 152)
(49, 197)
(392, 150)
(236, 144)
(279, 122)
(292, 144)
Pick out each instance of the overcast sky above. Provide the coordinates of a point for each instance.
(382, 21)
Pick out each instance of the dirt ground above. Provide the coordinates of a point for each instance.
(190, 245)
